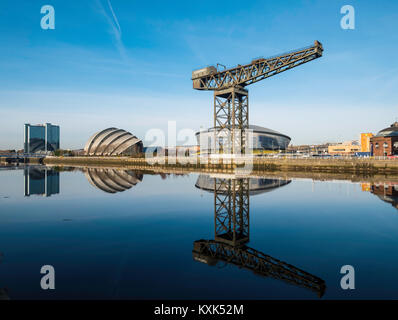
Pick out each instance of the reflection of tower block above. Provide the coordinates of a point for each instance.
(231, 205)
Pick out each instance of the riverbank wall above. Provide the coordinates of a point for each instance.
(351, 165)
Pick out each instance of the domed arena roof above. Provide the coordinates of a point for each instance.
(391, 131)
(267, 130)
(112, 141)
(112, 180)
(257, 129)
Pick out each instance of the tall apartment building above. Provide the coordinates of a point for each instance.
(41, 137)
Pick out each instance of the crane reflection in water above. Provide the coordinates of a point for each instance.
(231, 231)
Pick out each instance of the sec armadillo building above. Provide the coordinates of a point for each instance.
(263, 140)
(113, 142)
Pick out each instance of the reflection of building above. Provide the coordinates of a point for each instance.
(41, 181)
(112, 180)
(385, 143)
(4, 294)
(256, 185)
(263, 139)
(231, 234)
(3, 291)
(387, 192)
(365, 142)
(42, 137)
(345, 148)
(113, 142)
(365, 186)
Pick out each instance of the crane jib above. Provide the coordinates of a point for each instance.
(260, 68)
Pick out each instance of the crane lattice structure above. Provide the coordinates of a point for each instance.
(210, 252)
(231, 234)
(231, 210)
(231, 99)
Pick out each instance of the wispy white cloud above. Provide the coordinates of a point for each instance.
(115, 18)
(116, 30)
(109, 14)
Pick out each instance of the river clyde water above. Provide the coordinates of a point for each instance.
(121, 234)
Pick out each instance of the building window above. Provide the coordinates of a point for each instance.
(377, 145)
(385, 145)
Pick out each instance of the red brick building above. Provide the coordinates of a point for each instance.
(385, 143)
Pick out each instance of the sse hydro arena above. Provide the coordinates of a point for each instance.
(264, 140)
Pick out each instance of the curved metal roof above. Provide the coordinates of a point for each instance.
(111, 141)
(255, 129)
(391, 131)
(90, 141)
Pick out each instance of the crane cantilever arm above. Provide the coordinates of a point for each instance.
(211, 251)
(259, 69)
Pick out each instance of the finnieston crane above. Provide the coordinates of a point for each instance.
(231, 99)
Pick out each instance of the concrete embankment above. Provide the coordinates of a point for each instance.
(354, 166)
(31, 160)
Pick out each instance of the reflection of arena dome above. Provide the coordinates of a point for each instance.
(391, 131)
(263, 139)
(256, 185)
(112, 180)
(113, 141)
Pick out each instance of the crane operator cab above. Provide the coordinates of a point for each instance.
(200, 73)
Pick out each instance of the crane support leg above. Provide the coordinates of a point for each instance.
(231, 211)
(231, 119)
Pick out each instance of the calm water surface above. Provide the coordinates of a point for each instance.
(113, 234)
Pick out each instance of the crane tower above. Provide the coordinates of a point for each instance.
(231, 99)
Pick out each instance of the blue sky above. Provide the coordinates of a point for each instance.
(132, 68)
